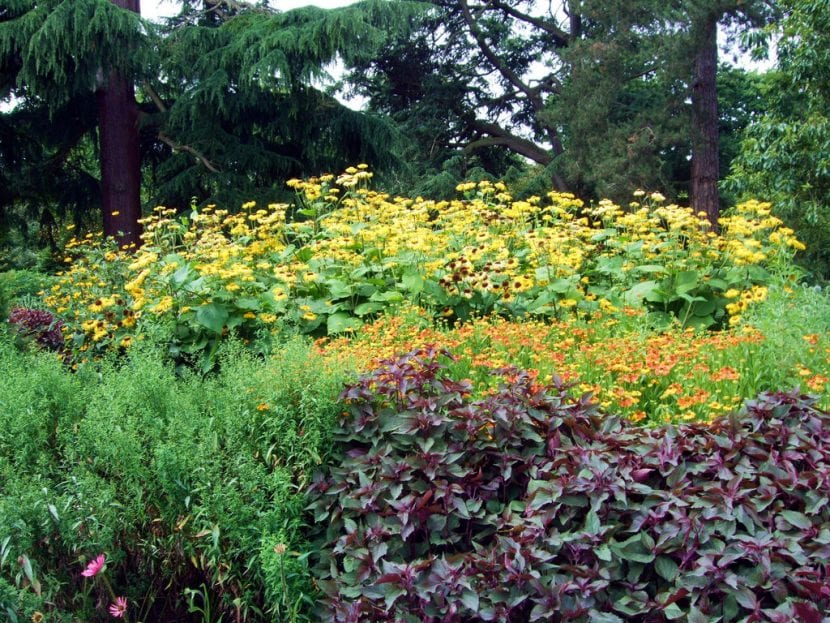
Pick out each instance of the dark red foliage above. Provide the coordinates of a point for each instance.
(39, 325)
(529, 505)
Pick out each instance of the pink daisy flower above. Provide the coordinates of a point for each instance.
(94, 566)
(118, 608)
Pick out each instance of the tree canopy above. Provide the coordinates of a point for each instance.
(785, 155)
(603, 96)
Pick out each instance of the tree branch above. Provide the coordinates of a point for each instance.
(561, 39)
(516, 144)
(500, 136)
(151, 92)
(191, 150)
(509, 75)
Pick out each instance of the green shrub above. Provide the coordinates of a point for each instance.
(20, 284)
(185, 482)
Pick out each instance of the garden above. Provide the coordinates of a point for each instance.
(380, 311)
(354, 406)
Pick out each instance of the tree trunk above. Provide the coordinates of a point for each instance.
(120, 155)
(705, 168)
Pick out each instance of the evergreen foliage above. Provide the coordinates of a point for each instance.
(66, 47)
(228, 97)
(235, 109)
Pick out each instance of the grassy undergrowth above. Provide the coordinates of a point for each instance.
(191, 486)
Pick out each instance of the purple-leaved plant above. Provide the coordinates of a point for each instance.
(530, 505)
(39, 325)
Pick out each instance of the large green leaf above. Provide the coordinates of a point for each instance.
(340, 322)
(212, 316)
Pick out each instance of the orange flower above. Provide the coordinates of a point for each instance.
(726, 373)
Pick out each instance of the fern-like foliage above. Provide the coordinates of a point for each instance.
(66, 47)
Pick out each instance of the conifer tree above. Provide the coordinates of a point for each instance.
(227, 104)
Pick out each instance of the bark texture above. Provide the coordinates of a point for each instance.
(705, 167)
(120, 153)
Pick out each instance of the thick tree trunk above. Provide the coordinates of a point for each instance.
(120, 155)
(705, 168)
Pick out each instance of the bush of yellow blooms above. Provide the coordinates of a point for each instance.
(342, 254)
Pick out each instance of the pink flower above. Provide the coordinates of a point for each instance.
(118, 608)
(94, 566)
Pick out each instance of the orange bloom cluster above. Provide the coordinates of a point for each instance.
(678, 375)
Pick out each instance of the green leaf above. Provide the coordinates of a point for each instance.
(212, 316)
(696, 616)
(685, 281)
(603, 553)
(340, 322)
(390, 296)
(560, 286)
(796, 519)
(636, 294)
(470, 600)
(248, 303)
(339, 289)
(412, 283)
(666, 568)
(633, 550)
(672, 612)
(369, 307)
(592, 523)
(651, 269)
(180, 276)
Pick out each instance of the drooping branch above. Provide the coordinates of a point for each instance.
(151, 93)
(496, 135)
(516, 144)
(191, 150)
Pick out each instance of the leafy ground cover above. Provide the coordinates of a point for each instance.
(531, 505)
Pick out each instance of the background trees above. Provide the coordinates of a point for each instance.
(605, 97)
(785, 154)
(599, 98)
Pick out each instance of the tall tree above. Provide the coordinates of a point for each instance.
(703, 192)
(63, 53)
(120, 153)
(704, 18)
